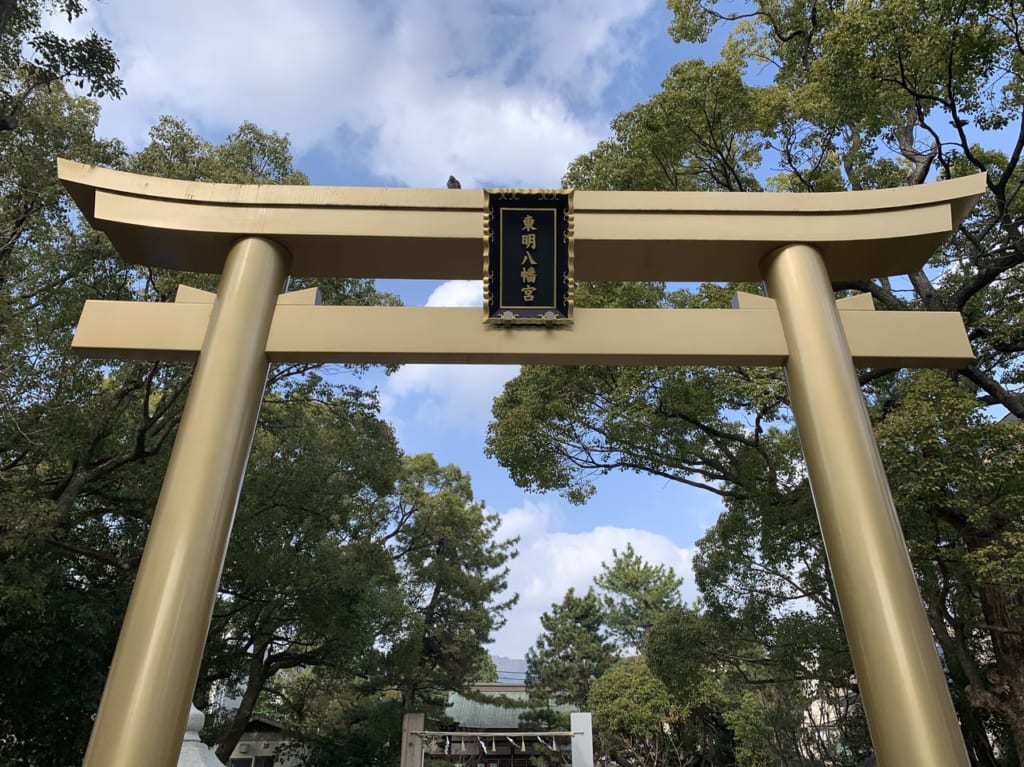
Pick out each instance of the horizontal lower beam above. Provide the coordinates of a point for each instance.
(399, 335)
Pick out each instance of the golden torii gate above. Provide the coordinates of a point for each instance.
(256, 236)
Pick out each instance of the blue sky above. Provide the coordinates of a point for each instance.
(379, 93)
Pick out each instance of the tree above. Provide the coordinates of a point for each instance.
(32, 58)
(753, 702)
(83, 446)
(636, 594)
(634, 718)
(59, 606)
(307, 578)
(570, 653)
(376, 574)
(853, 96)
(671, 422)
(331, 721)
(956, 477)
(452, 569)
(670, 713)
(445, 573)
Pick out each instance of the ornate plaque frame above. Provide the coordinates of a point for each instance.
(529, 263)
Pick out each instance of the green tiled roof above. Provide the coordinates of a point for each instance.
(474, 715)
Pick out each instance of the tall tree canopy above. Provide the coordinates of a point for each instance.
(635, 595)
(571, 651)
(349, 563)
(813, 97)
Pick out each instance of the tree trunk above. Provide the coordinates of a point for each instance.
(253, 688)
(1006, 682)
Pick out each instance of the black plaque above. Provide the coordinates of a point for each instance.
(528, 256)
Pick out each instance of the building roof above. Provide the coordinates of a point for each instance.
(261, 723)
(472, 714)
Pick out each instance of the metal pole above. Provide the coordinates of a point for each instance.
(146, 700)
(908, 707)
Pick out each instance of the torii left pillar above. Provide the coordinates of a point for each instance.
(146, 701)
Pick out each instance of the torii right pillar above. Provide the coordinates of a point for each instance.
(906, 701)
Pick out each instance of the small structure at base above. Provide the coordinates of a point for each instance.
(195, 753)
(261, 745)
(483, 734)
(257, 748)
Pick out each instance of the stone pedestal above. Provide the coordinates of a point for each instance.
(195, 753)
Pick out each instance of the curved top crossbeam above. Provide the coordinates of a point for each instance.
(437, 233)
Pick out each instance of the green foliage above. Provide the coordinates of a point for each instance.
(247, 156)
(452, 569)
(485, 670)
(306, 579)
(685, 675)
(636, 594)
(414, 626)
(56, 648)
(543, 718)
(32, 58)
(696, 134)
(808, 98)
(643, 713)
(570, 653)
(758, 707)
(59, 605)
(358, 582)
(634, 717)
(559, 428)
(957, 481)
(330, 723)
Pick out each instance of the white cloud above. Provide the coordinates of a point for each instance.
(550, 562)
(458, 293)
(446, 396)
(499, 91)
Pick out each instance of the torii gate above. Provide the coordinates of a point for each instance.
(257, 236)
